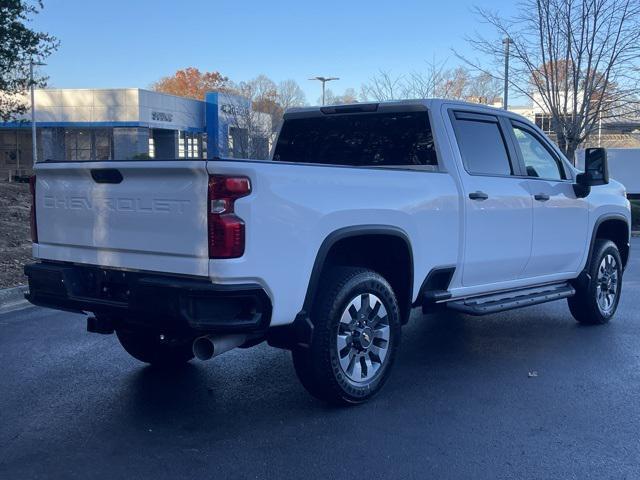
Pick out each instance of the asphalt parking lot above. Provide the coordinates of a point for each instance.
(524, 394)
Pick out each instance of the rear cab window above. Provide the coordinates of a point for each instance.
(389, 139)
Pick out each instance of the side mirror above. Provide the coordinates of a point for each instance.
(596, 166)
(596, 172)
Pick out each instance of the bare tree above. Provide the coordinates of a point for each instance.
(576, 60)
(271, 99)
(262, 117)
(263, 94)
(249, 108)
(289, 94)
(348, 96)
(455, 84)
(383, 86)
(250, 132)
(484, 88)
(434, 81)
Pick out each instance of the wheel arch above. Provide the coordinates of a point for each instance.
(614, 227)
(369, 237)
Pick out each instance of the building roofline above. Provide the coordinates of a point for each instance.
(147, 90)
(138, 89)
(86, 89)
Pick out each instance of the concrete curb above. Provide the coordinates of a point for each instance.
(635, 233)
(12, 297)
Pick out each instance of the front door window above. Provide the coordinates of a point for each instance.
(538, 161)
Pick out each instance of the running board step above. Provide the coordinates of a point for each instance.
(499, 302)
(435, 296)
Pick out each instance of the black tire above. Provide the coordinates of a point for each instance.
(149, 348)
(584, 305)
(319, 367)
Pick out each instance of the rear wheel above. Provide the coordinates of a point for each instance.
(155, 349)
(356, 332)
(596, 301)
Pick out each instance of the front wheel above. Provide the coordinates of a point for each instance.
(596, 302)
(356, 332)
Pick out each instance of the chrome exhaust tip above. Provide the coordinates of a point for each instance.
(209, 346)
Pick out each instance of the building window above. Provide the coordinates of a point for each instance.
(88, 144)
(188, 145)
(152, 146)
(193, 147)
(77, 144)
(543, 122)
(259, 147)
(8, 148)
(181, 146)
(238, 142)
(102, 141)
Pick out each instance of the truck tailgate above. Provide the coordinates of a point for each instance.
(142, 215)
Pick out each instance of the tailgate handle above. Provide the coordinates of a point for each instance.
(106, 175)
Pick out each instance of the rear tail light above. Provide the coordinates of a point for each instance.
(34, 225)
(226, 229)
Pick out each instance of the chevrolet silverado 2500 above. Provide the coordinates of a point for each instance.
(364, 212)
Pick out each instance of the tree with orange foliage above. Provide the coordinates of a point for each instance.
(192, 83)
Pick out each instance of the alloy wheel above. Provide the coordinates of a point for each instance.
(363, 338)
(607, 284)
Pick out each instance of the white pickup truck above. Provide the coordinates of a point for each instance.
(363, 213)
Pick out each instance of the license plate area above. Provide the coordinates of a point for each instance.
(100, 284)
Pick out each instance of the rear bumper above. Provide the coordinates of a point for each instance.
(151, 300)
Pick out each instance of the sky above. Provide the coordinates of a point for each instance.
(133, 43)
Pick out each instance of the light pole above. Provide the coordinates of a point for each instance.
(600, 130)
(505, 98)
(324, 80)
(34, 146)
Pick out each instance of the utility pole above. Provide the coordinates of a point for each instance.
(600, 131)
(324, 80)
(505, 97)
(34, 145)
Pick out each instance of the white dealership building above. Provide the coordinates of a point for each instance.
(133, 124)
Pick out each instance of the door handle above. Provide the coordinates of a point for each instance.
(541, 197)
(478, 196)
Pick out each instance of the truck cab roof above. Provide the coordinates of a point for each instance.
(394, 106)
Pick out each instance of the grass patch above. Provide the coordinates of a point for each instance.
(15, 239)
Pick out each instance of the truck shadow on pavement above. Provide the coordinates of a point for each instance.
(450, 354)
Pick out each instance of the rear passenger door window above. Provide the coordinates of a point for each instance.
(482, 144)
